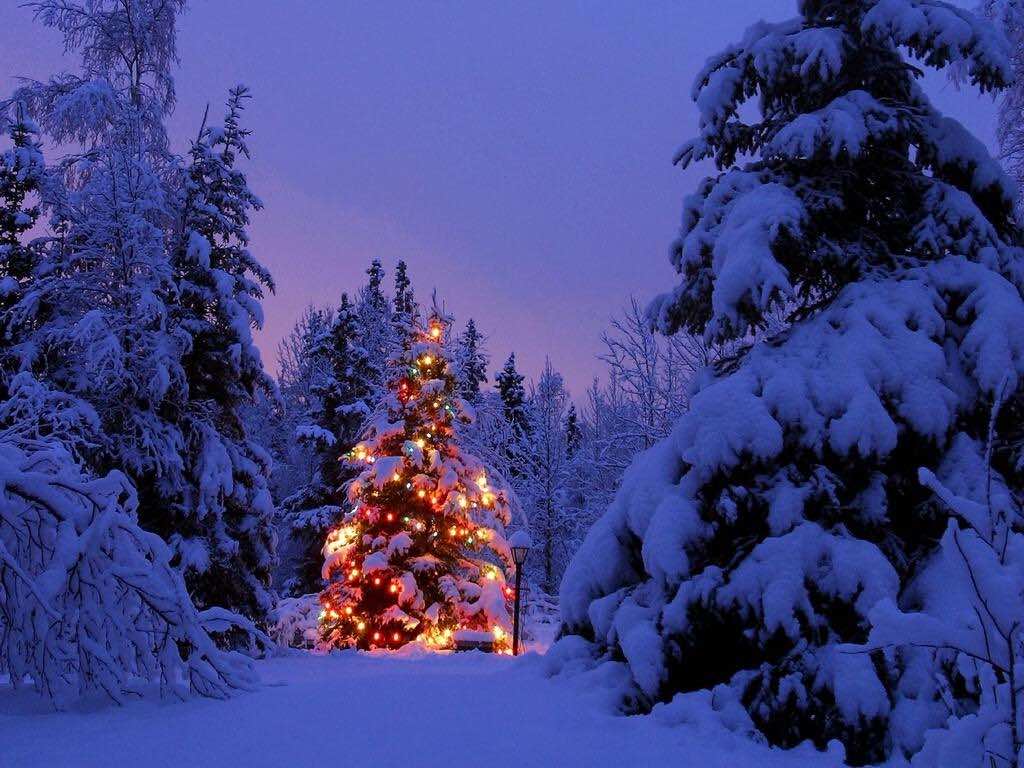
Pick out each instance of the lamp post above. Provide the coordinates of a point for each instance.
(520, 544)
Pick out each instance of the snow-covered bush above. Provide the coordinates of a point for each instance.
(295, 622)
(88, 600)
(768, 542)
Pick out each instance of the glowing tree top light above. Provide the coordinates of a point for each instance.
(422, 554)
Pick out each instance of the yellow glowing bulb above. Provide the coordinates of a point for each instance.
(421, 443)
(376, 635)
(353, 573)
(396, 637)
(376, 582)
(348, 611)
(498, 633)
(492, 575)
(462, 502)
(396, 477)
(361, 626)
(427, 360)
(393, 588)
(421, 493)
(435, 331)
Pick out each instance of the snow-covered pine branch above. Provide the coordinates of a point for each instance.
(88, 600)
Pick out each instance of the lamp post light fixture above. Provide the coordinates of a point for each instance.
(520, 544)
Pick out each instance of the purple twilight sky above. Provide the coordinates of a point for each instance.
(517, 155)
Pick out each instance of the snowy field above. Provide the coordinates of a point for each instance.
(378, 711)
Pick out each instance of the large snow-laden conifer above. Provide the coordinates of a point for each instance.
(144, 303)
(750, 551)
(220, 520)
(98, 302)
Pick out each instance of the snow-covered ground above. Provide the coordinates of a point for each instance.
(379, 710)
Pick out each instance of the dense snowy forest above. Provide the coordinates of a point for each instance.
(787, 516)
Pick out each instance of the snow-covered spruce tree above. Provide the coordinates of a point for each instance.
(340, 407)
(107, 339)
(22, 177)
(421, 555)
(509, 382)
(117, 336)
(573, 433)
(405, 317)
(513, 395)
(471, 360)
(89, 601)
(376, 318)
(750, 550)
(405, 307)
(106, 278)
(220, 520)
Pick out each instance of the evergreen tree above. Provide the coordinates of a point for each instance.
(106, 277)
(338, 411)
(152, 294)
(22, 175)
(513, 397)
(515, 448)
(471, 362)
(404, 301)
(417, 557)
(377, 321)
(573, 433)
(767, 548)
(225, 509)
(405, 312)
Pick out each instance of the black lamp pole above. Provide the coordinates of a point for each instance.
(515, 620)
(520, 545)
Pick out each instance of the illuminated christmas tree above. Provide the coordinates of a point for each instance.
(422, 554)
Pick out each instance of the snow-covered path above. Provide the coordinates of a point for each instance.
(376, 711)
